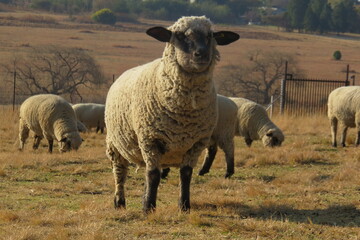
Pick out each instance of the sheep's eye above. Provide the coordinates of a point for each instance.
(180, 36)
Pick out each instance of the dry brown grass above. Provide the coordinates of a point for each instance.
(303, 190)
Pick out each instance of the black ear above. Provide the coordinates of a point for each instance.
(63, 140)
(159, 33)
(225, 37)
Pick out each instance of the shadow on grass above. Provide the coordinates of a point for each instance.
(341, 216)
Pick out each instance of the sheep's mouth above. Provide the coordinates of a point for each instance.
(200, 63)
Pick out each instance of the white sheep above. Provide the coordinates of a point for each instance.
(52, 117)
(344, 108)
(162, 113)
(250, 121)
(91, 115)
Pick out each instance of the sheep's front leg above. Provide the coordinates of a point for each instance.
(37, 140)
(209, 159)
(343, 134)
(185, 179)
(333, 124)
(190, 160)
(152, 151)
(51, 144)
(357, 123)
(23, 134)
(151, 188)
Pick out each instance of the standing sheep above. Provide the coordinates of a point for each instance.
(162, 113)
(250, 120)
(344, 108)
(52, 117)
(91, 115)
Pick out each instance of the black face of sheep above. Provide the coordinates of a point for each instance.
(271, 140)
(196, 45)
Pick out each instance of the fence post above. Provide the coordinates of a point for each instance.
(272, 105)
(347, 83)
(353, 80)
(14, 90)
(283, 89)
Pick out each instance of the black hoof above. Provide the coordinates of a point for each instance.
(119, 203)
(202, 172)
(229, 174)
(165, 173)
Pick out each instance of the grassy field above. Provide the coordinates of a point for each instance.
(303, 190)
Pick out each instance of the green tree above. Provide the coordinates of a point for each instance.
(325, 22)
(310, 20)
(339, 18)
(296, 12)
(105, 16)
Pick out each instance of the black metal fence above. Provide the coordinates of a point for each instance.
(301, 96)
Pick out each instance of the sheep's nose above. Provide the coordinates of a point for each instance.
(200, 52)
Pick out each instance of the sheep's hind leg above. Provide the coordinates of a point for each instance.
(120, 169)
(229, 156)
(209, 159)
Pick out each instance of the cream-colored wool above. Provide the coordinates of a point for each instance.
(344, 109)
(51, 117)
(253, 123)
(163, 113)
(224, 132)
(91, 115)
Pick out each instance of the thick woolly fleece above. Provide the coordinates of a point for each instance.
(344, 109)
(49, 116)
(159, 115)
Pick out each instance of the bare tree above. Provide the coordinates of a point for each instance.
(260, 78)
(55, 70)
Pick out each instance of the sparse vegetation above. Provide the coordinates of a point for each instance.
(337, 55)
(104, 16)
(305, 188)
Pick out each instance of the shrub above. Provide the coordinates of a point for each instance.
(337, 55)
(104, 16)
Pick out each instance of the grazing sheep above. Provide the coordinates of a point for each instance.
(52, 117)
(162, 113)
(251, 121)
(91, 115)
(344, 108)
